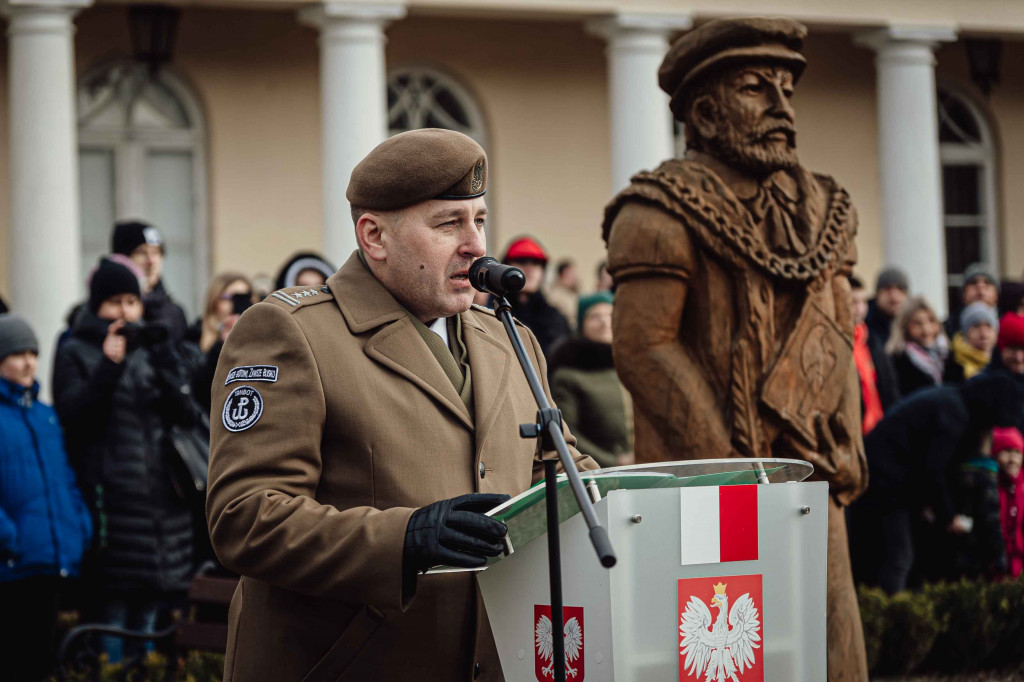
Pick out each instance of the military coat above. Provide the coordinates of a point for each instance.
(332, 422)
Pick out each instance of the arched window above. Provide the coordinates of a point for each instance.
(967, 155)
(141, 155)
(421, 97)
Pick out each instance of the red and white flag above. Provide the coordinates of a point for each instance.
(718, 524)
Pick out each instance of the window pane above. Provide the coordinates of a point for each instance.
(169, 206)
(956, 122)
(963, 247)
(96, 184)
(961, 190)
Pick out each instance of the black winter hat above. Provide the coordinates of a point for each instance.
(993, 398)
(110, 279)
(131, 234)
(299, 263)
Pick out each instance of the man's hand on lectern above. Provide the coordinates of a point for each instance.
(454, 532)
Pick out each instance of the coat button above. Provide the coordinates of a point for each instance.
(63, 573)
(483, 470)
(476, 670)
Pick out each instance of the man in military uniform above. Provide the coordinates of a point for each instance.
(360, 429)
(733, 328)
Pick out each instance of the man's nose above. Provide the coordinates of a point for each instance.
(475, 244)
(781, 106)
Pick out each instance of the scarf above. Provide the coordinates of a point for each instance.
(969, 357)
(868, 379)
(930, 360)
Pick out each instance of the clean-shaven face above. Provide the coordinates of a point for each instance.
(428, 249)
(20, 368)
(150, 259)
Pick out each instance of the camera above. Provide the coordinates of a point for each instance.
(143, 334)
(240, 303)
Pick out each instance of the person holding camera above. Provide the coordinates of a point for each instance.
(119, 387)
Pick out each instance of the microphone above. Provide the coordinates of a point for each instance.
(488, 275)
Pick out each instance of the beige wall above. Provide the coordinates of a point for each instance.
(542, 88)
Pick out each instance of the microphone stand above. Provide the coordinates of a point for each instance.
(548, 428)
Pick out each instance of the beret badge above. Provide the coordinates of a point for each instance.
(478, 176)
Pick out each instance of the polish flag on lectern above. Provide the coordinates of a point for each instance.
(718, 524)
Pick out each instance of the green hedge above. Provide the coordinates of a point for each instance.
(947, 628)
(195, 667)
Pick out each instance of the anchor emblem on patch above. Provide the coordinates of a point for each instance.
(242, 409)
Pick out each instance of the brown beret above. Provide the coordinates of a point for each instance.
(430, 163)
(722, 41)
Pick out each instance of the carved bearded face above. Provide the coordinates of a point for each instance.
(744, 117)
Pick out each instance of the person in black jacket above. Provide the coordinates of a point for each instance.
(117, 390)
(144, 244)
(530, 306)
(891, 289)
(912, 453)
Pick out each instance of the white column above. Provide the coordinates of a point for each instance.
(641, 123)
(908, 155)
(44, 257)
(353, 95)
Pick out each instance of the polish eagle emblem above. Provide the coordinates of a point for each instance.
(544, 646)
(723, 647)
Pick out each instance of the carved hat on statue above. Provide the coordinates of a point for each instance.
(411, 167)
(722, 42)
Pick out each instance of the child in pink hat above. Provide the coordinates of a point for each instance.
(1007, 449)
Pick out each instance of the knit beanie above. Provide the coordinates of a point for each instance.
(131, 234)
(587, 302)
(16, 336)
(1011, 330)
(892, 277)
(1006, 438)
(299, 263)
(978, 313)
(975, 270)
(110, 279)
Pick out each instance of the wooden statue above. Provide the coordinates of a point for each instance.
(733, 328)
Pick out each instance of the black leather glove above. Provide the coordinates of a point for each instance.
(453, 532)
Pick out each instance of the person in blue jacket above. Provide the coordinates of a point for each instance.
(44, 524)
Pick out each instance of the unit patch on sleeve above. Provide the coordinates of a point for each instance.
(252, 373)
(242, 409)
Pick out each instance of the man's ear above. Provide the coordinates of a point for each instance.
(704, 116)
(370, 235)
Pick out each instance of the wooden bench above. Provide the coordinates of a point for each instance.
(205, 627)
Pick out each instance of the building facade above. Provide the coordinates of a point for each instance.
(240, 145)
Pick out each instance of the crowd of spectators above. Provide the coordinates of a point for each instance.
(943, 414)
(94, 513)
(90, 489)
